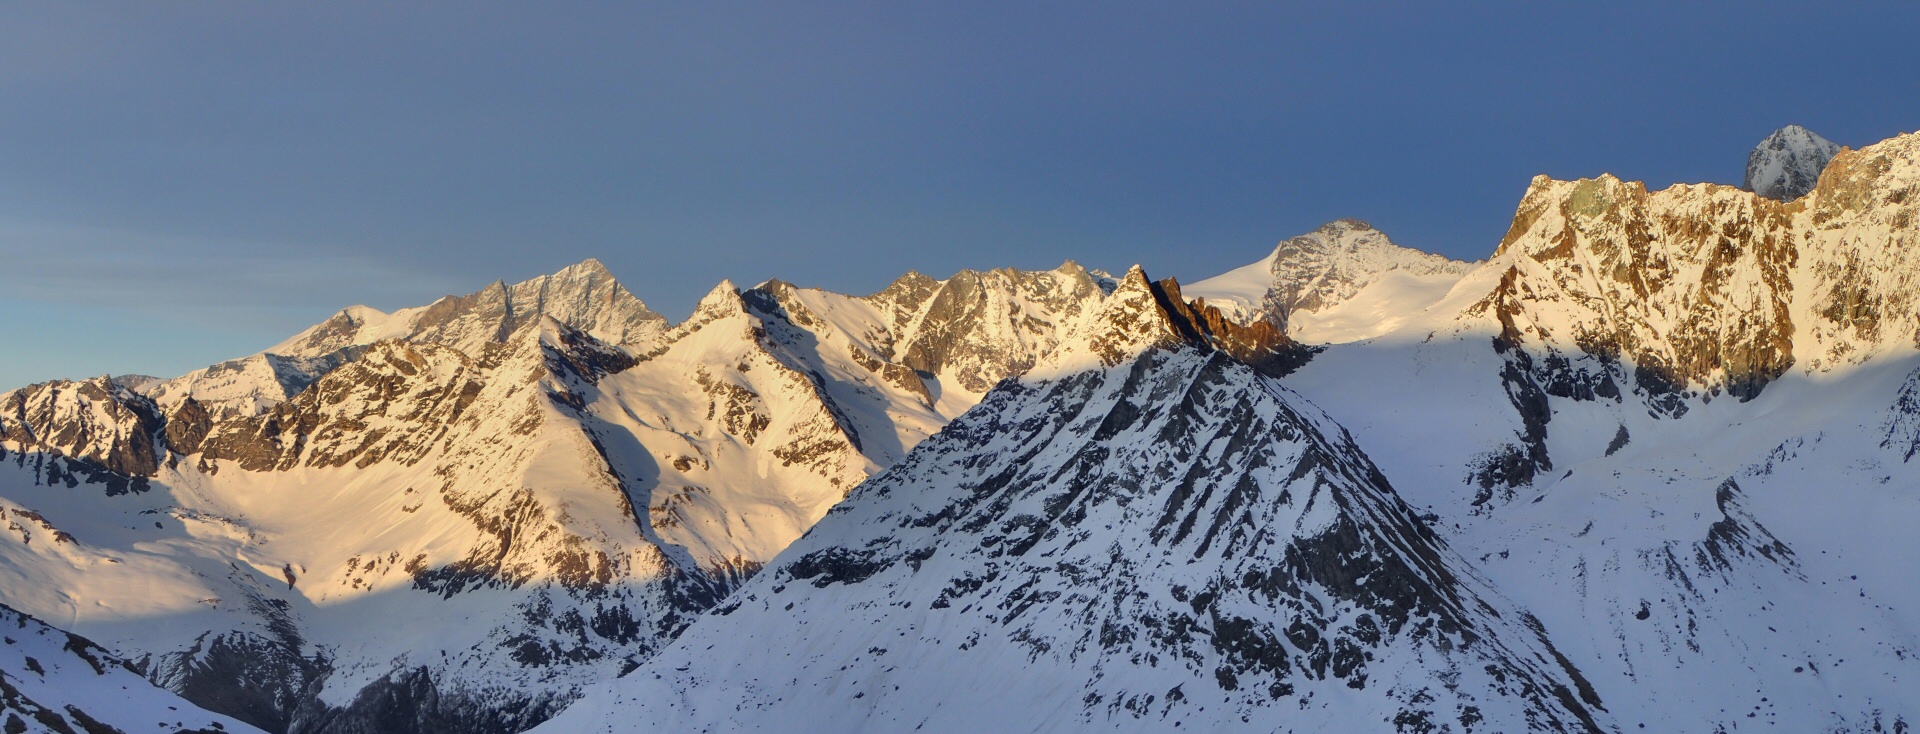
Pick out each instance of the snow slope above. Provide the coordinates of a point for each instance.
(53, 682)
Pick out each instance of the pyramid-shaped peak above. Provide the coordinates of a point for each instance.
(1787, 164)
(724, 297)
(589, 266)
(1348, 235)
(590, 270)
(1797, 133)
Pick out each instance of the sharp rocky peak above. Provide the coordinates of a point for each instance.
(723, 300)
(584, 295)
(1787, 164)
(1143, 315)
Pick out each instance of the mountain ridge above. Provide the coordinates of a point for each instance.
(1632, 393)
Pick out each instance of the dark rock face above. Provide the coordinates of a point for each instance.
(1737, 534)
(253, 678)
(188, 427)
(1902, 423)
(1262, 345)
(95, 422)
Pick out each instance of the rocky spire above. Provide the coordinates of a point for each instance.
(1787, 165)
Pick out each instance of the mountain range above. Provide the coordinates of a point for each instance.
(1647, 466)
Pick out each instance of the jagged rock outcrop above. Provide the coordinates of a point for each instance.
(975, 329)
(1787, 164)
(1699, 290)
(1901, 427)
(1690, 286)
(1261, 345)
(105, 428)
(1859, 269)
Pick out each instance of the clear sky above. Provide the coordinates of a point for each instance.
(182, 183)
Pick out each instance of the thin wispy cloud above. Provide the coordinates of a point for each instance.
(198, 278)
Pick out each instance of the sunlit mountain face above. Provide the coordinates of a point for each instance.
(1650, 464)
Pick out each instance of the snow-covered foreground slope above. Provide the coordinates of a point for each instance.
(1695, 569)
(1143, 534)
(53, 682)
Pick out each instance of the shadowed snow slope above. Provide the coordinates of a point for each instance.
(52, 682)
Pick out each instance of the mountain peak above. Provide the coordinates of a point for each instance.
(721, 292)
(1322, 270)
(590, 269)
(722, 301)
(1787, 164)
(1143, 315)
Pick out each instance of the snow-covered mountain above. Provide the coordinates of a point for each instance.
(54, 682)
(550, 504)
(1143, 533)
(1651, 463)
(1700, 431)
(1787, 164)
(584, 296)
(1676, 428)
(1343, 282)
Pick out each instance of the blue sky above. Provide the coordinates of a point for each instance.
(183, 183)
